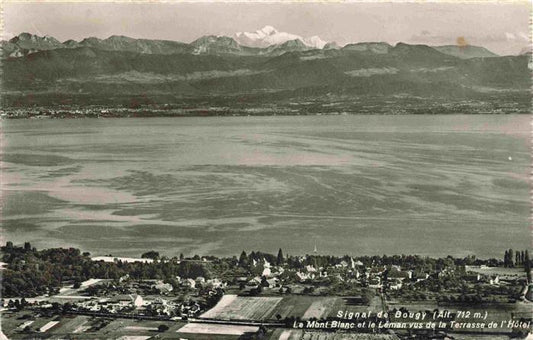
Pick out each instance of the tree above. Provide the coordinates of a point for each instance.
(162, 328)
(150, 255)
(280, 258)
(182, 256)
(506, 259)
(511, 258)
(261, 332)
(527, 266)
(243, 259)
(27, 246)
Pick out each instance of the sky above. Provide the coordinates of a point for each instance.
(501, 27)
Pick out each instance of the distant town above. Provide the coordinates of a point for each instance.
(250, 106)
(65, 293)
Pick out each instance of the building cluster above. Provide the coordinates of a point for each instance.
(351, 274)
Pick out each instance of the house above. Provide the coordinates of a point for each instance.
(310, 269)
(215, 283)
(375, 282)
(194, 309)
(137, 300)
(134, 300)
(377, 270)
(494, 280)
(395, 273)
(242, 279)
(160, 306)
(273, 282)
(92, 306)
(284, 290)
(189, 283)
(396, 284)
(352, 263)
(255, 281)
(163, 288)
(266, 272)
(419, 276)
(301, 276)
(124, 278)
(473, 277)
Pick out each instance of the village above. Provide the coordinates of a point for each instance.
(141, 106)
(260, 294)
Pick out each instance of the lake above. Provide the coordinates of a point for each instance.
(429, 185)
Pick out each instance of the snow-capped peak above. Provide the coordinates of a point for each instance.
(315, 41)
(268, 36)
(268, 30)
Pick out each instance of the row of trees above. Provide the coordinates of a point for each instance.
(516, 258)
(246, 259)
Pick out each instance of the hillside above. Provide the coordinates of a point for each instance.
(466, 52)
(213, 66)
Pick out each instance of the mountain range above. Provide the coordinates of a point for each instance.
(265, 64)
(266, 41)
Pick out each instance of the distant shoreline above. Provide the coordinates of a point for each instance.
(199, 257)
(150, 114)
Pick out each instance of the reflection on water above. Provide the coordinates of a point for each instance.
(358, 184)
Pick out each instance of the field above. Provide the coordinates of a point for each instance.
(83, 327)
(293, 334)
(217, 329)
(501, 271)
(293, 305)
(233, 307)
(307, 307)
(321, 307)
(134, 337)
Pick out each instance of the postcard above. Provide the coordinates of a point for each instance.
(266, 170)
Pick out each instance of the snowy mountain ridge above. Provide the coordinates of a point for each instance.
(268, 36)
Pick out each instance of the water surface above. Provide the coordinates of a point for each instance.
(430, 185)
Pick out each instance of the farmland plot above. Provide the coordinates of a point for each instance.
(233, 307)
(320, 308)
(205, 328)
(291, 334)
(293, 305)
(48, 326)
(317, 335)
(73, 325)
